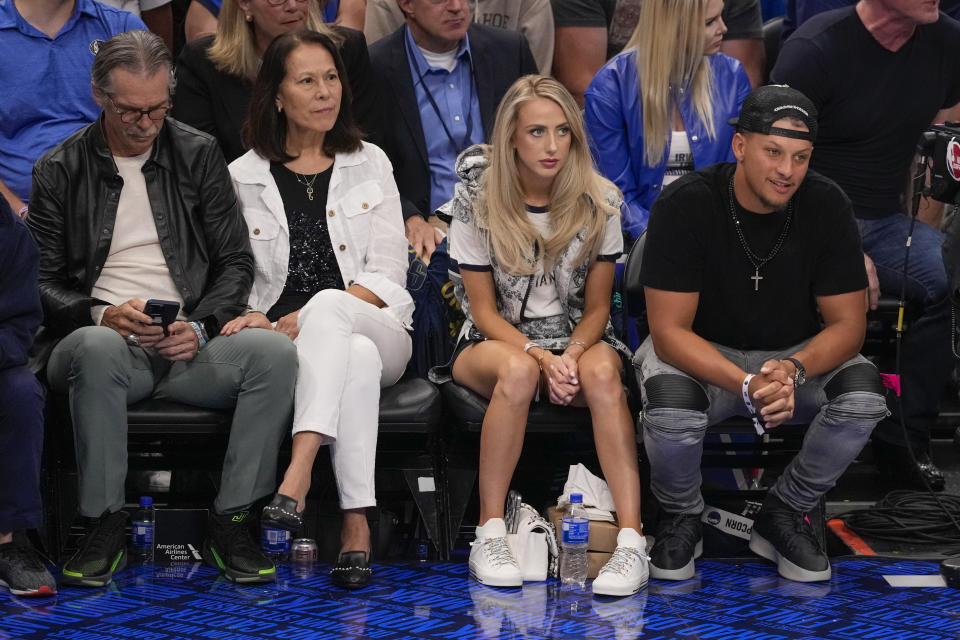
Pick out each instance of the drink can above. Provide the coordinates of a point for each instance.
(274, 541)
(303, 551)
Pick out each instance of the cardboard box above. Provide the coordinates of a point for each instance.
(595, 562)
(603, 535)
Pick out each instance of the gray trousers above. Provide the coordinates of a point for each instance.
(253, 371)
(840, 424)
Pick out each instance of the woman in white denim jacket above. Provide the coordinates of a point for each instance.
(330, 273)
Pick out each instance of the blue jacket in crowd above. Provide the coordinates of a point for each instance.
(20, 313)
(614, 119)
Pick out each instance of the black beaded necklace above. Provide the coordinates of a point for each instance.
(754, 259)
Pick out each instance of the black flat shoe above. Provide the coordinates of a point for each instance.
(352, 570)
(282, 513)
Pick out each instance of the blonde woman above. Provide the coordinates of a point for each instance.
(660, 109)
(201, 18)
(215, 74)
(535, 236)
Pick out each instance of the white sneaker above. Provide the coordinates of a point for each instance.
(627, 570)
(491, 561)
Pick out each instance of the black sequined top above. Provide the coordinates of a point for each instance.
(313, 265)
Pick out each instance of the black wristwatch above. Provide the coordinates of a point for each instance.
(801, 375)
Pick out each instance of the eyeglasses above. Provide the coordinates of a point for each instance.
(277, 3)
(131, 116)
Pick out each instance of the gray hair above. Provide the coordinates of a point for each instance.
(140, 52)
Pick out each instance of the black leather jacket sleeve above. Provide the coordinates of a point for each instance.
(230, 273)
(66, 306)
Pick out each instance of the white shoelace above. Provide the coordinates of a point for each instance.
(622, 560)
(496, 551)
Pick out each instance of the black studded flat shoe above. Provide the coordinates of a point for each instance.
(282, 513)
(352, 570)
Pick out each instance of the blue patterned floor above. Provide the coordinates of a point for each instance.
(727, 599)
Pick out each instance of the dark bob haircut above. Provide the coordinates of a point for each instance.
(265, 129)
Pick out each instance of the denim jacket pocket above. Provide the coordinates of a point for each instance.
(261, 225)
(361, 199)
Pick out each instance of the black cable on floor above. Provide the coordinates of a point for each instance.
(910, 517)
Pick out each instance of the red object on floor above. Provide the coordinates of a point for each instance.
(850, 538)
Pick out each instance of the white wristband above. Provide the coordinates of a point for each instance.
(745, 393)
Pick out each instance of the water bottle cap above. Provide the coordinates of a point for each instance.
(576, 498)
(146, 501)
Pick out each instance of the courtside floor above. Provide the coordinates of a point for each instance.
(729, 600)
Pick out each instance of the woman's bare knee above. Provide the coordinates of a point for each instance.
(600, 379)
(517, 379)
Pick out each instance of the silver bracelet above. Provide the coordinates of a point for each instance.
(579, 343)
(530, 345)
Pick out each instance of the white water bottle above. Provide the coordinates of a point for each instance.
(574, 537)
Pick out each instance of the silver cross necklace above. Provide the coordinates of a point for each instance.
(754, 259)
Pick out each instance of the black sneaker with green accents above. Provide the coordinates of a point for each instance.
(102, 552)
(231, 548)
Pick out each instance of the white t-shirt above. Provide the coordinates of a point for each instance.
(446, 60)
(469, 249)
(680, 160)
(135, 266)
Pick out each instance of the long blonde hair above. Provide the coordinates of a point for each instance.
(669, 41)
(578, 198)
(234, 49)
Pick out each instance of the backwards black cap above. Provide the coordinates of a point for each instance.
(772, 102)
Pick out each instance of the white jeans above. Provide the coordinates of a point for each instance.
(348, 349)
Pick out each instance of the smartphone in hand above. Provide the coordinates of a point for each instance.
(162, 313)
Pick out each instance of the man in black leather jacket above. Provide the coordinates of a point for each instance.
(134, 207)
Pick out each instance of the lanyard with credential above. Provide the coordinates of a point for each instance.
(433, 103)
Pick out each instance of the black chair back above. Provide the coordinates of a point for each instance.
(772, 31)
(633, 301)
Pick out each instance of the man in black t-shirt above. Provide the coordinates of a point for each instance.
(739, 259)
(799, 11)
(879, 73)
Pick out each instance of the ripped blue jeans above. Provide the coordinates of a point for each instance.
(842, 410)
